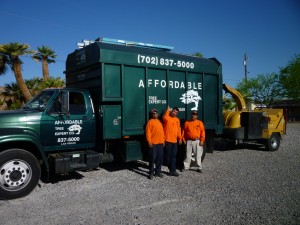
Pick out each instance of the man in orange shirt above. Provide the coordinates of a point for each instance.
(172, 132)
(193, 136)
(156, 141)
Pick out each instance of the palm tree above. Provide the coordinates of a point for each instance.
(34, 85)
(4, 63)
(12, 97)
(52, 83)
(47, 56)
(10, 57)
(198, 54)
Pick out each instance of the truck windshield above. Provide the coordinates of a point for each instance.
(39, 102)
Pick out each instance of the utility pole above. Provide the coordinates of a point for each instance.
(246, 75)
(246, 71)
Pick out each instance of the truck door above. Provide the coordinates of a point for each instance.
(68, 123)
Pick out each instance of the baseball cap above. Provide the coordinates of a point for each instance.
(153, 111)
(194, 112)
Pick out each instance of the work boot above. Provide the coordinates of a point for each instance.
(159, 175)
(151, 176)
(174, 174)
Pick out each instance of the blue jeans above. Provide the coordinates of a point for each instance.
(156, 157)
(171, 153)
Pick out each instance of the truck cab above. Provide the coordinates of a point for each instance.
(50, 131)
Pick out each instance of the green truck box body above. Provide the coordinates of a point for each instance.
(127, 82)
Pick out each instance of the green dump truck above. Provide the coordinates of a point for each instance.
(101, 114)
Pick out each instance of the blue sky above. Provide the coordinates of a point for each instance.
(267, 30)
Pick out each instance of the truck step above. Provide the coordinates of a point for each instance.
(73, 161)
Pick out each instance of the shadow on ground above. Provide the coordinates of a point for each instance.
(141, 167)
(228, 145)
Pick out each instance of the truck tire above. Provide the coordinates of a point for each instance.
(19, 173)
(273, 143)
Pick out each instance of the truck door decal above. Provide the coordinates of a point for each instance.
(68, 137)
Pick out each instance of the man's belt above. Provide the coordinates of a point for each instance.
(193, 139)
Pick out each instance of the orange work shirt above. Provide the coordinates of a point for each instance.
(171, 128)
(193, 129)
(154, 132)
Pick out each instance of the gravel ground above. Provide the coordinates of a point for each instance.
(239, 186)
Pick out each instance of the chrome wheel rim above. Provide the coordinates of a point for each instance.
(15, 175)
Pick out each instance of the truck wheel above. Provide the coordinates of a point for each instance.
(19, 173)
(273, 143)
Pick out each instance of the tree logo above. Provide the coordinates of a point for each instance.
(75, 127)
(189, 97)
